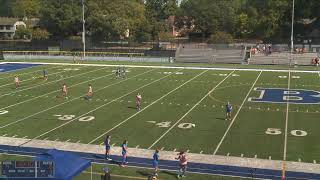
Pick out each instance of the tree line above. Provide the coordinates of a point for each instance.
(147, 20)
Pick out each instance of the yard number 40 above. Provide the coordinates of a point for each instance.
(276, 131)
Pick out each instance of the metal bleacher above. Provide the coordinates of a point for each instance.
(204, 53)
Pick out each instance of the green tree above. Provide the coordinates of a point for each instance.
(109, 19)
(61, 18)
(209, 16)
(26, 8)
(157, 12)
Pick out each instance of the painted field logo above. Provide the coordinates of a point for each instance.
(279, 95)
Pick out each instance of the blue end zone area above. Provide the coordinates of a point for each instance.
(13, 66)
(173, 165)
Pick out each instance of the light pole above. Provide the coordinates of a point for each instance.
(83, 32)
(292, 22)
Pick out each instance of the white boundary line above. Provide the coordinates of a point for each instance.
(174, 67)
(20, 90)
(12, 105)
(95, 108)
(155, 142)
(235, 116)
(103, 134)
(1, 127)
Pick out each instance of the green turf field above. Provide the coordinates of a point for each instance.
(181, 110)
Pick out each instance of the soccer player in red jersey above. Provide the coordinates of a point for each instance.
(138, 101)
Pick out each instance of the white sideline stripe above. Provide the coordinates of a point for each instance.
(287, 118)
(49, 82)
(155, 142)
(36, 97)
(97, 107)
(67, 101)
(16, 72)
(173, 67)
(147, 106)
(30, 79)
(235, 116)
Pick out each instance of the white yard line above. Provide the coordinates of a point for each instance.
(9, 124)
(103, 134)
(286, 129)
(95, 109)
(172, 67)
(56, 90)
(30, 79)
(155, 142)
(235, 116)
(20, 90)
(287, 118)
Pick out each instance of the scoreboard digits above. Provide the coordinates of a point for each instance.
(27, 169)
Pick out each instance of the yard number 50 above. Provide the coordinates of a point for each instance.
(276, 131)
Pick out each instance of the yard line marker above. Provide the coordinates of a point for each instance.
(174, 150)
(255, 156)
(155, 142)
(56, 139)
(162, 148)
(113, 144)
(228, 154)
(299, 160)
(242, 155)
(4, 135)
(68, 140)
(235, 116)
(137, 146)
(188, 150)
(15, 136)
(148, 106)
(46, 138)
(68, 101)
(269, 157)
(36, 97)
(51, 82)
(78, 141)
(201, 152)
(314, 162)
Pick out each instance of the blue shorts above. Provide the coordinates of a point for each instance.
(155, 164)
(108, 148)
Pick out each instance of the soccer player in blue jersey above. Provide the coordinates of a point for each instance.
(45, 74)
(108, 147)
(155, 163)
(124, 147)
(228, 111)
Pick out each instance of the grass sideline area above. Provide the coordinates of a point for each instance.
(119, 173)
(182, 109)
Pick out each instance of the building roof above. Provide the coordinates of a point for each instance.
(8, 21)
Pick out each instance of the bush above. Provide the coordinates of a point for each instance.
(221, 38)
(22, 33)
(40, 34)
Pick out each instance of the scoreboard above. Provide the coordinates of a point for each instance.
(27, 169)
